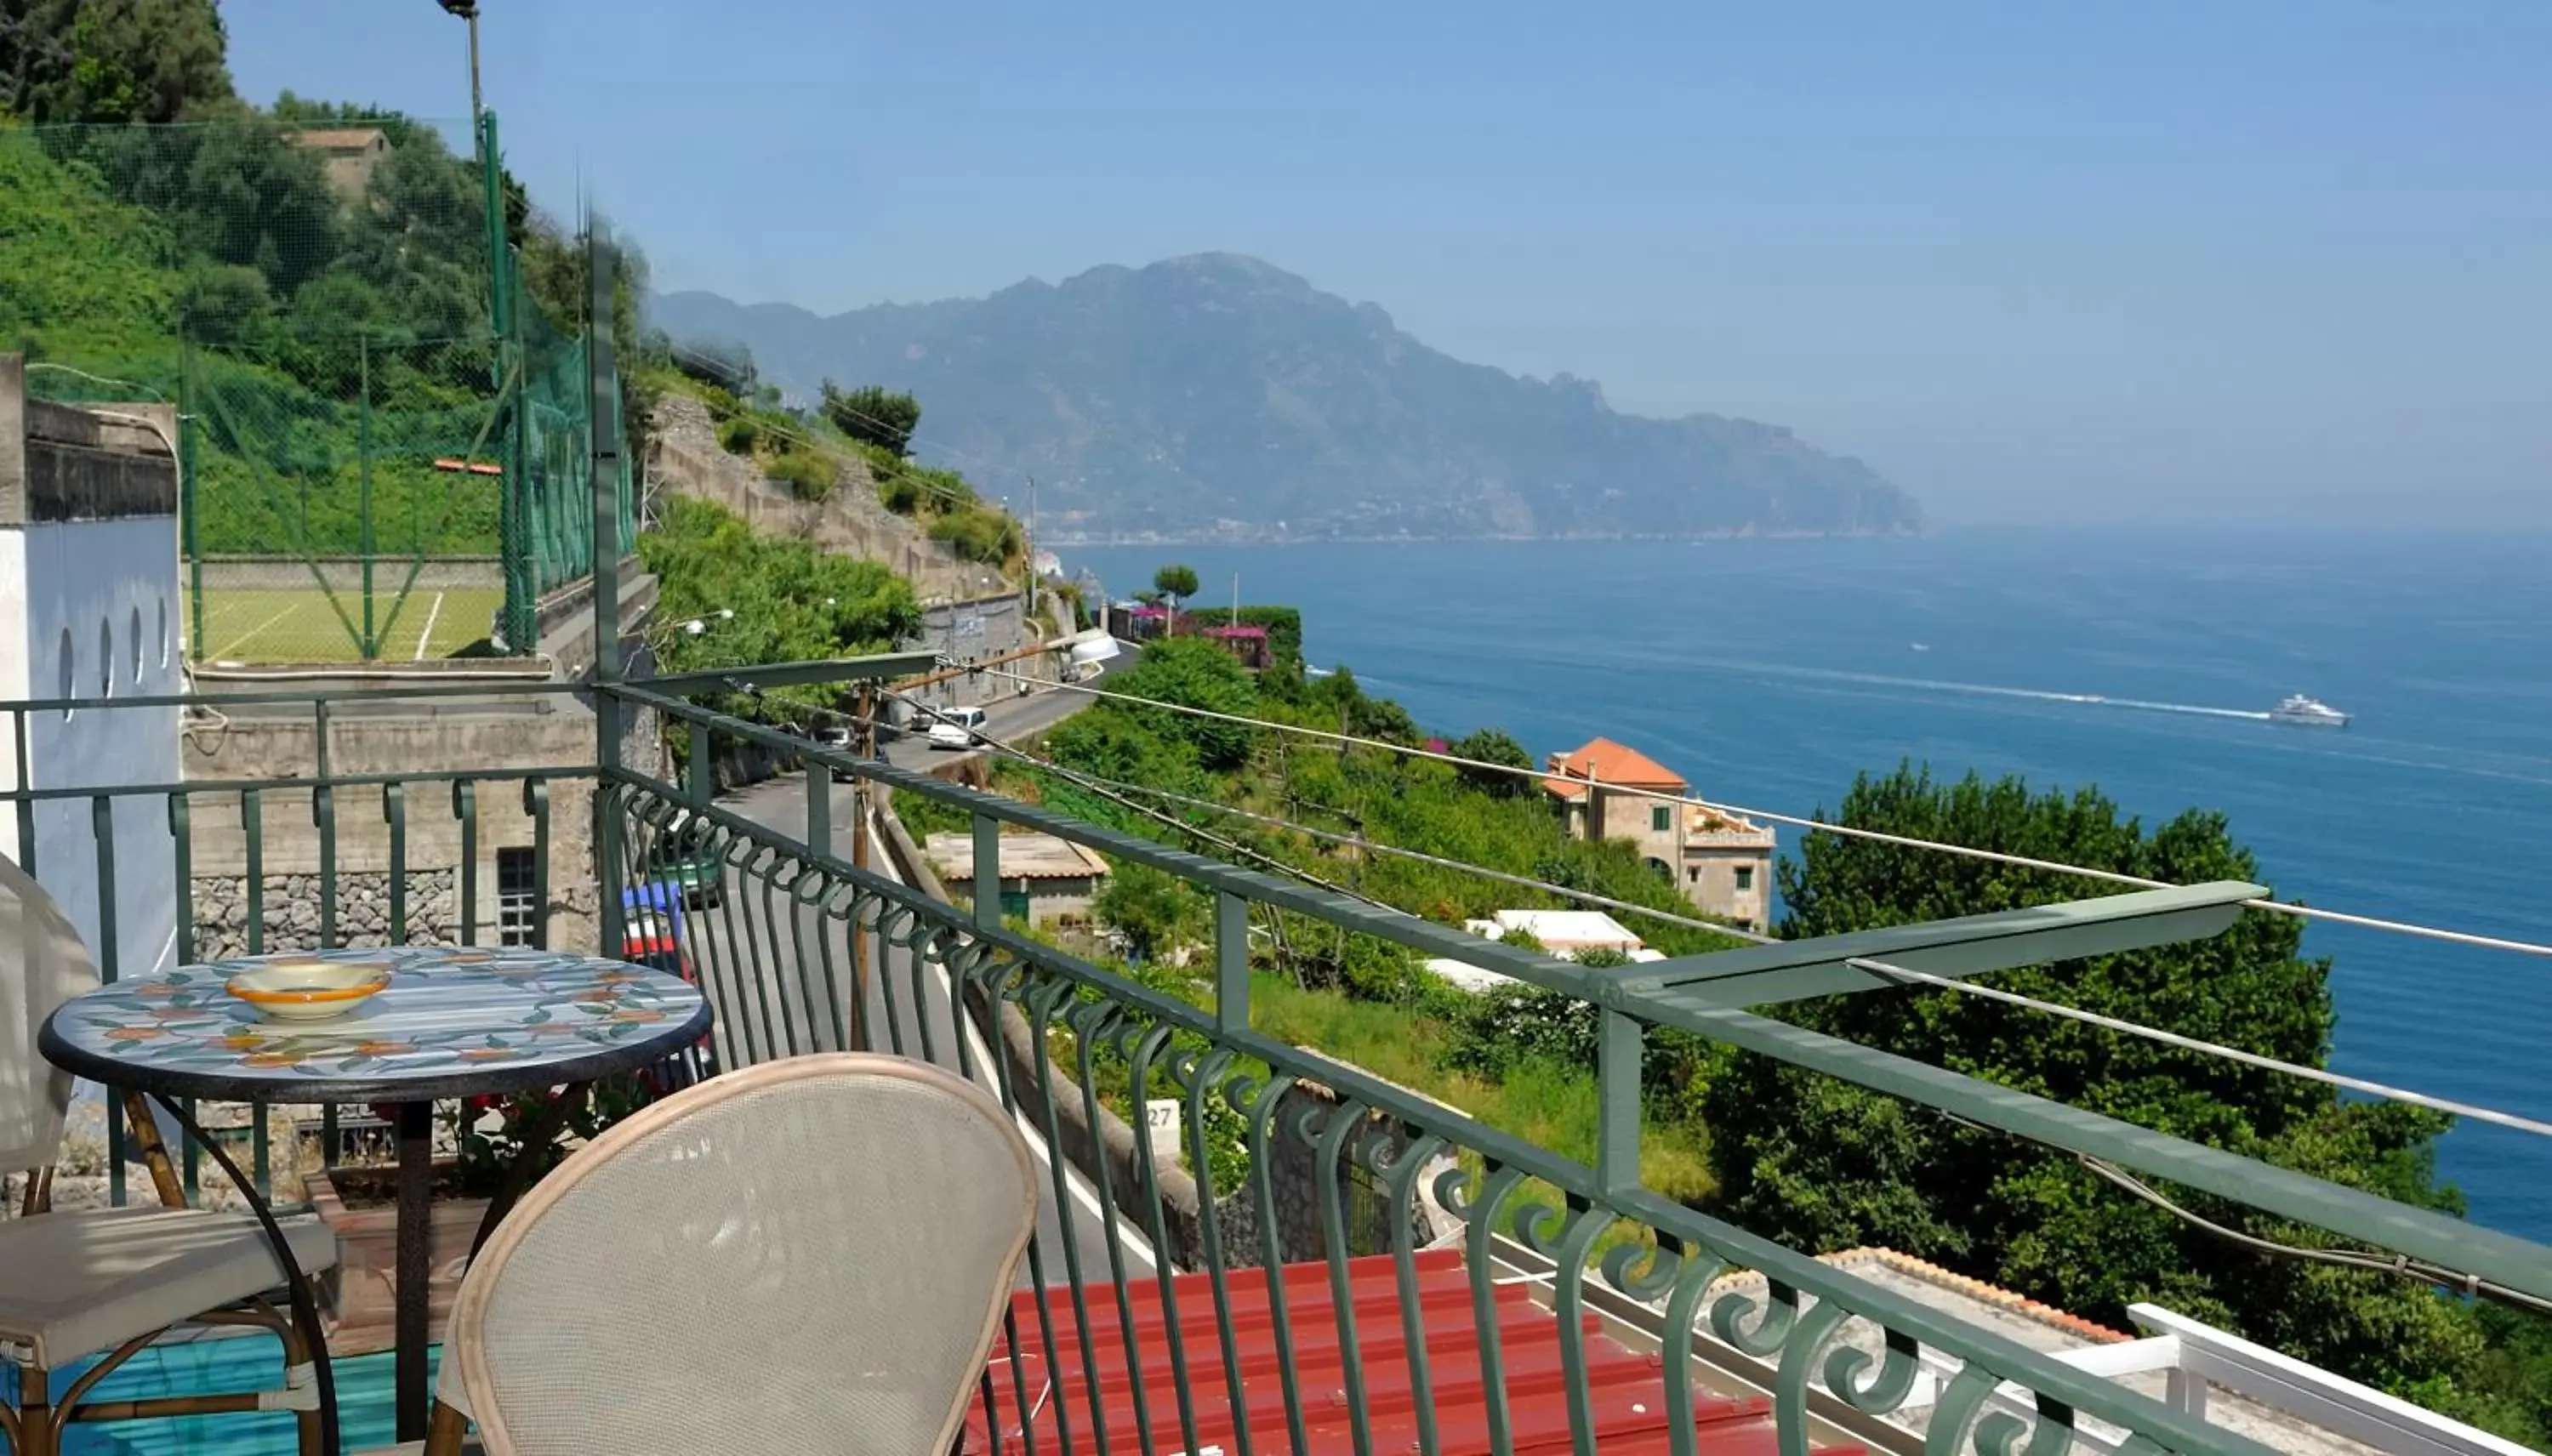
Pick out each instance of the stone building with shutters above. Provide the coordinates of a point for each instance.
(1721, 862)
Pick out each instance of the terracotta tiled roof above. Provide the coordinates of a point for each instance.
(1954, 1283)
(1606, 762)
(1626, 1389)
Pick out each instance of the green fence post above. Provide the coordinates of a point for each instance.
(372, 644)
(187, 489)
(517, 611)
(1230, 961)
(988, 872)
(606, 627)
(1618, 1047)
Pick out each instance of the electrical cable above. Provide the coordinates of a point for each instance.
(1820, 826)
(2396, 1265)
(1901, 973)
(1172, 821)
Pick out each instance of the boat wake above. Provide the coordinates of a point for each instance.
(1988, 689)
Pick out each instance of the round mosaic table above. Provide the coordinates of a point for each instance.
(452, 1022)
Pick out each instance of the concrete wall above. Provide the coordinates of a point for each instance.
(1708, 880)
(499, 740)
(1620, 815)
(88, 609)
(683, 455)
(97, 593)
(980, 627)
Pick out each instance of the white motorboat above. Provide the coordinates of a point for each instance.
(2311, 712)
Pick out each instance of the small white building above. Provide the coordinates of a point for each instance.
(1565, 934)
(90, 608)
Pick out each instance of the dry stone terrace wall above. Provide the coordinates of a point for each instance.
(290, 919)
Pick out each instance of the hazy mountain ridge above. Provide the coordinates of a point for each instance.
(1218, 395)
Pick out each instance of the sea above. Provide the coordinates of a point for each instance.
(2139, 661)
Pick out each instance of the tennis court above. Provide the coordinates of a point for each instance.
(301, 625)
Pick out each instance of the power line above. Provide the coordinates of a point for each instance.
(2398, 1265)
(1095, 787)
(2212, 1049)
(1820, 826)
(1879, 968)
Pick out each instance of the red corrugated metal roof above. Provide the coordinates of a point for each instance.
(1627, 1389)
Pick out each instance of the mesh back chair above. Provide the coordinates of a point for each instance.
(109, 1281)
(811, 1255)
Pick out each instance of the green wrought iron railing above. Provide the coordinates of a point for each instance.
(782, 957)
(1304, 1196)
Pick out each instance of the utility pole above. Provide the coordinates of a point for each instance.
(868, 739)
(1031, 546)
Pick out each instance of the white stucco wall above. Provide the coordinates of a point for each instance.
(99, 609)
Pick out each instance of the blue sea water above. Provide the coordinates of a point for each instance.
(1769, 672)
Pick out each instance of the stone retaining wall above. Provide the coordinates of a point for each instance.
(290, 911)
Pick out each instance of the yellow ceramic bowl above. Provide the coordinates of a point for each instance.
(308, 991)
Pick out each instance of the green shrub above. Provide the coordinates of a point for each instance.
(874, 415)
(977, 534)
(901, 494)
(807, 474)
(739, 435)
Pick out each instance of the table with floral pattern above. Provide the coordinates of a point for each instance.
(453, 1021)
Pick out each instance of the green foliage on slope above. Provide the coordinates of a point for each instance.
(1823, 1165)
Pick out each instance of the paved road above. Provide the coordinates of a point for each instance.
(782, 804)
(1005, 718)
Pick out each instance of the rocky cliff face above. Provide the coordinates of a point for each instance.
(683, 455)
(1219, 396)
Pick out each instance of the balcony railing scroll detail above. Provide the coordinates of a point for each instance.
(945, 980)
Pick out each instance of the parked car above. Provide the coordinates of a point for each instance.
(686, 858)
(956, 727)
(836, 740)
(652, 929)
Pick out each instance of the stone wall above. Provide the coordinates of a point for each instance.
(290, 912)
(684, 456)
(505, 743)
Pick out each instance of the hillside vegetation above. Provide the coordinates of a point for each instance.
(321, 337)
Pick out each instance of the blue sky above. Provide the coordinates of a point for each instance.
(2036, 260)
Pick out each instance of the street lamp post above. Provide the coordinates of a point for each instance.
(468, 9)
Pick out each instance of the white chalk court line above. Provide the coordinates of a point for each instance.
(425, 638)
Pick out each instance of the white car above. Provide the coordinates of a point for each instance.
(956, 727)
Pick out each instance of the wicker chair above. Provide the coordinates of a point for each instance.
(811, 1255)
(81, 1283)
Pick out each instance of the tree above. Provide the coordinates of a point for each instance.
(1197, 675)
(1176, 582)
(873, 415)
(789, 602)
(1157, 912)
(1494, 746)
(1823, 1165)
(112, 60)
